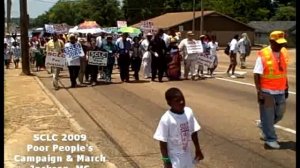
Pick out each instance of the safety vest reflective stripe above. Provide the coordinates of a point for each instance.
(274, 76)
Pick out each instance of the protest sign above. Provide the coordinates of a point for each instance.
(147, 27)
(98, 58)
(121, 23)
(55, 59)
(49, 28)
(56, 28)
(73, 51)
(60, 28)
(194, 47)
(206, 60)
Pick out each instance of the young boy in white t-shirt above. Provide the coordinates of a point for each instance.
(175, 132)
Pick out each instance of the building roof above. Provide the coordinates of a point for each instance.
(168, 20)
(268, 26)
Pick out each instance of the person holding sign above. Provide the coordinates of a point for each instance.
(111, 48)
(55, 45)
(93, 69)
(73, 52)
(190, 49)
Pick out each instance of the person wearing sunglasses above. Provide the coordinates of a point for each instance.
(270, 76)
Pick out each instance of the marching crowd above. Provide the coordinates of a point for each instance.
(157, 55)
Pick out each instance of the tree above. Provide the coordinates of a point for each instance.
(285, 13)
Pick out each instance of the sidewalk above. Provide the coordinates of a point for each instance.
(30, 109)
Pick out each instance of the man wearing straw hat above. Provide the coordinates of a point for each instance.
(270, 76)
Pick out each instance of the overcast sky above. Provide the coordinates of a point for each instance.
(34, 7)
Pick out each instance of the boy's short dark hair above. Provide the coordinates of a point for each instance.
(171, 93)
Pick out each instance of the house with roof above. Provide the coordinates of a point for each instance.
(264, 28)
(214, 23)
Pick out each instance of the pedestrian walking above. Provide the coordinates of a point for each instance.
(84, 71)
(111, 48)
(73, 52)
(39, 57)
(157, 49)
(270, 76)
(124, 46)
(93, 69)
(244, 49)
(213, 46)
(175, 132)
(174, 60)
(136, 57)
(55, 45)
(16, 52)
(7, 56)
(190, 58)
(146, 58)
(232, 55)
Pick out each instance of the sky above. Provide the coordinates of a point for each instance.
(34, 7)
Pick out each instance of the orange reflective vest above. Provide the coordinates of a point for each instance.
(275, 70)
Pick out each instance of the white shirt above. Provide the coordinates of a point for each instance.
(213, 48)
(73, 52)
(233, 46)
(144, 45)
(241, 46)
(166, 39)
(177, 130)
(259, 69)
(99, 42)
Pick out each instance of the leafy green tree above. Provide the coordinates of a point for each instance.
(285, 13)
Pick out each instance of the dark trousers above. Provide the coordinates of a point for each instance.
(124, 62)
(158, 65)
(108, 71)
(73, 72)
(136, 66)
(93, 71)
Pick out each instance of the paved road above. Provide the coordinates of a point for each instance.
(127, 114)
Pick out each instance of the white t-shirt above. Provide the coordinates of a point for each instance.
(259, 69)
(177, 130)
(233, 46)
(99, 42)
(213, 48)
(241, 46)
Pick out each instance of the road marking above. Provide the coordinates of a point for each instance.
(281, 127)
(244, 83)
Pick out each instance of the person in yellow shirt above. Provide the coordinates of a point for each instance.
(55, 45)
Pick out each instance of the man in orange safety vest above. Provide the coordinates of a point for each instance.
(270, 76)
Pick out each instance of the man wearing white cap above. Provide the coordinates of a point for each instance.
(190, 57)
(270, 76)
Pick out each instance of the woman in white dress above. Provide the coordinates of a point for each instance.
(146, 59)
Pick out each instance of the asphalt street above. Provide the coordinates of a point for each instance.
(121, 118)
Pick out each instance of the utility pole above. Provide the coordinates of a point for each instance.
(8, 15)
(193, 16)
(24, 37)
(202, 17)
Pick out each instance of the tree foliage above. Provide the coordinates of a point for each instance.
(107, 12)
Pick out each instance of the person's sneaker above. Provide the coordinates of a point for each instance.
(94, 83)
(233, 76)
(273, 144)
